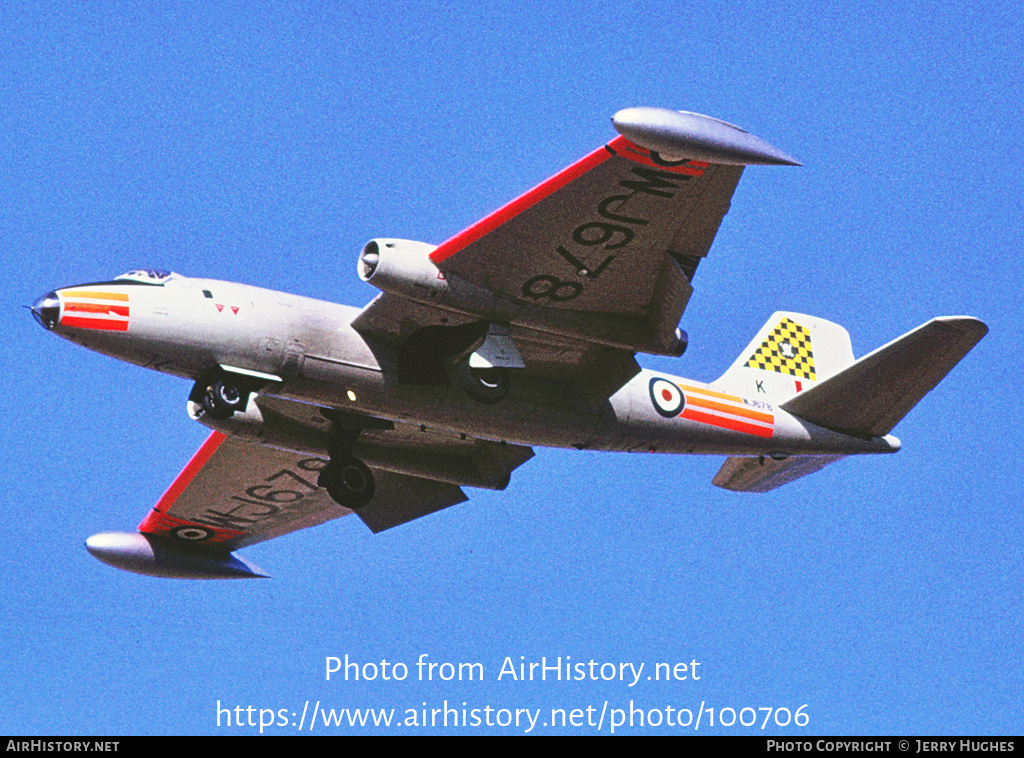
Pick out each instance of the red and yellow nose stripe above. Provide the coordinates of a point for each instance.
(95, 309)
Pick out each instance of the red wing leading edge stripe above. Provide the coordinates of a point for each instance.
(521, 203)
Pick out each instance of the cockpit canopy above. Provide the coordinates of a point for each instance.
(149, 275)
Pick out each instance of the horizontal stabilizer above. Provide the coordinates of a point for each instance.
(868, 398)
(762, 474)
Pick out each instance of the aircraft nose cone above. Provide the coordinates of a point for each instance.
(46, 310)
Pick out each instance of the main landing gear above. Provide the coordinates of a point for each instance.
(348, 481)
(426, 355)
(485, 385)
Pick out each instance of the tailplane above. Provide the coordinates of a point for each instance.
(741, 473)
(868, 398)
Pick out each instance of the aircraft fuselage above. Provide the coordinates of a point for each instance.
(307, 350)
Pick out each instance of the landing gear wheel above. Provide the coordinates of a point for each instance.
(485, 385)
(348, 481)
(222, 398)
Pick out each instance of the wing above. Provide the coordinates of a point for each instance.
(596, 263)
(237, 492)
(621, 232)
(591, 267)
(602, 253)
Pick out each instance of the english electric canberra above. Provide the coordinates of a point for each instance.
(521, 330)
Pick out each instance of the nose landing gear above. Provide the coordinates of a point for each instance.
(220, 395)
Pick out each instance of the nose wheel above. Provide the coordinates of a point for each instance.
(220, 396)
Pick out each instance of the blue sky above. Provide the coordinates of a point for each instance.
(265, 143)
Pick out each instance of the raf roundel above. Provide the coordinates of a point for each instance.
(668, 399)
(192, 533)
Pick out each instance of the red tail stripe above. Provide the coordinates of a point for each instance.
(724, 423)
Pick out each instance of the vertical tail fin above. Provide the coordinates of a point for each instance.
(790, 354)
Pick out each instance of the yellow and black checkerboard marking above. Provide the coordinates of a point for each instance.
(787, 350)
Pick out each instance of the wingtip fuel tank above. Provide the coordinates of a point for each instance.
(143, 554)
(683, 134)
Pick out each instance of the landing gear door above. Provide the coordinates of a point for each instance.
(498, 351)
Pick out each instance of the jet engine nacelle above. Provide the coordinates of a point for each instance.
(402, 267)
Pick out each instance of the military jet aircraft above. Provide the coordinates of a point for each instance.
(521, 330)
